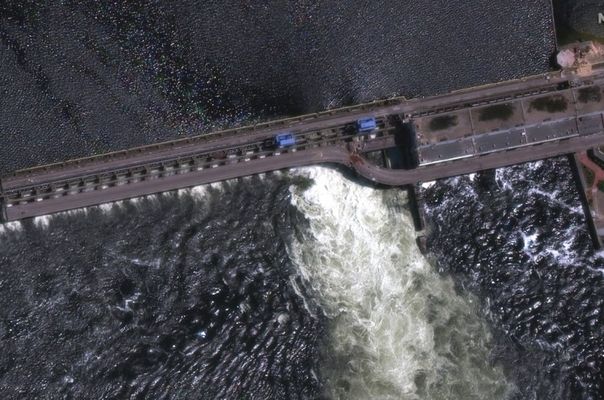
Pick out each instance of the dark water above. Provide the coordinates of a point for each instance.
(518, 238)
(177, 297)
(79, 77)
(183, 303)
(580, 16)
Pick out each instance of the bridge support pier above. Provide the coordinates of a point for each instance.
(581, 186)
(417, 213)
(416, 208)
(3, 217)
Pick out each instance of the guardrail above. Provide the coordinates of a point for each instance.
(284, 122)
(206, 137)
(179, 165)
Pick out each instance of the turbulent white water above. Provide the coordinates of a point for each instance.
(397, 329)
(10, 226)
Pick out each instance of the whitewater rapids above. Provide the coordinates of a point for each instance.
(397, 329)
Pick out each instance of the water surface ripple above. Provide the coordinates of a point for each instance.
(187, 302)
(517, 237)
(83, 76)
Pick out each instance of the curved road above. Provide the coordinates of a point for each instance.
(468, 165)
(340, 154)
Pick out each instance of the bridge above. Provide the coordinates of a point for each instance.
(441, 136)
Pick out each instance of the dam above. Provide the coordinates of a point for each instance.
(456, 133)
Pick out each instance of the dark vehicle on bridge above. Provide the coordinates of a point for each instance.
(286, 139)
(366, 124)
(268, 143)
(219, 155)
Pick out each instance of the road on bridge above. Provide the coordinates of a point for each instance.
(323, 138)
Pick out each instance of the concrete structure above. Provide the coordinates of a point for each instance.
(566, 58)
(456, 133)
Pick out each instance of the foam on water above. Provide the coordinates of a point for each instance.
(427, 185)
(555, 198)
(397, 329)
(524, 247)
(108, 206)
(10, 227)
(502, 180)
(42, 221)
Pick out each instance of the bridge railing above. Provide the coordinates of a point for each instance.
(181, 164)
(284, 122)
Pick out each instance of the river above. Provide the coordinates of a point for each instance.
(288, 285)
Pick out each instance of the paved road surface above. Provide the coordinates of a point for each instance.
(333, 151)
(474, 164)
(331, 119)
(333, 154)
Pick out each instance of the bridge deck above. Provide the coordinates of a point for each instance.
(546, 120)
(415, 107)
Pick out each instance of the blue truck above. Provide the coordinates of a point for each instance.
(285, 139)
(366, 124)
